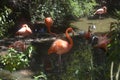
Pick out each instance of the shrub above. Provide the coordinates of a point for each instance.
(15, 60)
(5, 23)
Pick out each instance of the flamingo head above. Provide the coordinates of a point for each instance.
(105, 8)
(71, 30)
(24, 25)
(48, 21)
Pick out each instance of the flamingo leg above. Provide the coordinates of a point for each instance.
(60, 64)
(100, 16)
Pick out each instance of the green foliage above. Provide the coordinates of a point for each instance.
(80, 8)
(115, 42)
(59, 10)
(80, 66)
(88, 7)
(116, 14)
(5, 23)
(15, 60)
(41, 76)
(114, 75)
(74, 8)
(113, 48)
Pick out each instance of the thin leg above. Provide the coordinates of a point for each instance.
(100, 16)
(60, 65)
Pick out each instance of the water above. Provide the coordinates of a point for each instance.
(102, 25)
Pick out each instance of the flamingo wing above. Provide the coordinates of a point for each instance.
(59, 47)
(23, 29)
(28, 29)
(100, 11)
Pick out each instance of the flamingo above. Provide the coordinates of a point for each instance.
(103, 41)
(24, 31)
(18, 45)
(101, 11)
(87, 34)
(49, 23)
(60, 46)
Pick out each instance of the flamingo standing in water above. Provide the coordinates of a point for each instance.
(60, 46)
(101, 11)
(49, 23)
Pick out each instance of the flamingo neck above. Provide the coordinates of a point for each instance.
(49, 30)
(69, 38)
(105, 10)
(89, 29)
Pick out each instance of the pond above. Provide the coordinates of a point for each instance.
(102, 25)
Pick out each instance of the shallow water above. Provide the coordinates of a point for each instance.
(102, 25)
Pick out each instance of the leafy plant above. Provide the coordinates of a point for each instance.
(113, 54)
(113, 48)
(80, 66)
(5, 23)
(60, 11)
(15, 60)
(114, 76)
(41, 76)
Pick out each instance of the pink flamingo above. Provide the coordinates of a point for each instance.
(103, 41)
(101, 11)
(24, 31)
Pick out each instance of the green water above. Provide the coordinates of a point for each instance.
(102, 25)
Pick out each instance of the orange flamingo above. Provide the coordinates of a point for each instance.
(18, 45)
(101, 11)
(60, 46)
(49, 23)
(24, 31)
(87, 34)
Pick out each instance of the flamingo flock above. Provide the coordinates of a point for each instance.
(60, 46)
(24, 31)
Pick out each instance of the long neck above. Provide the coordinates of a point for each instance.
(89, 29)
(105, 10)
(69, 38)
(49, 30)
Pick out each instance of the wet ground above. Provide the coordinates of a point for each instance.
(42, 45)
